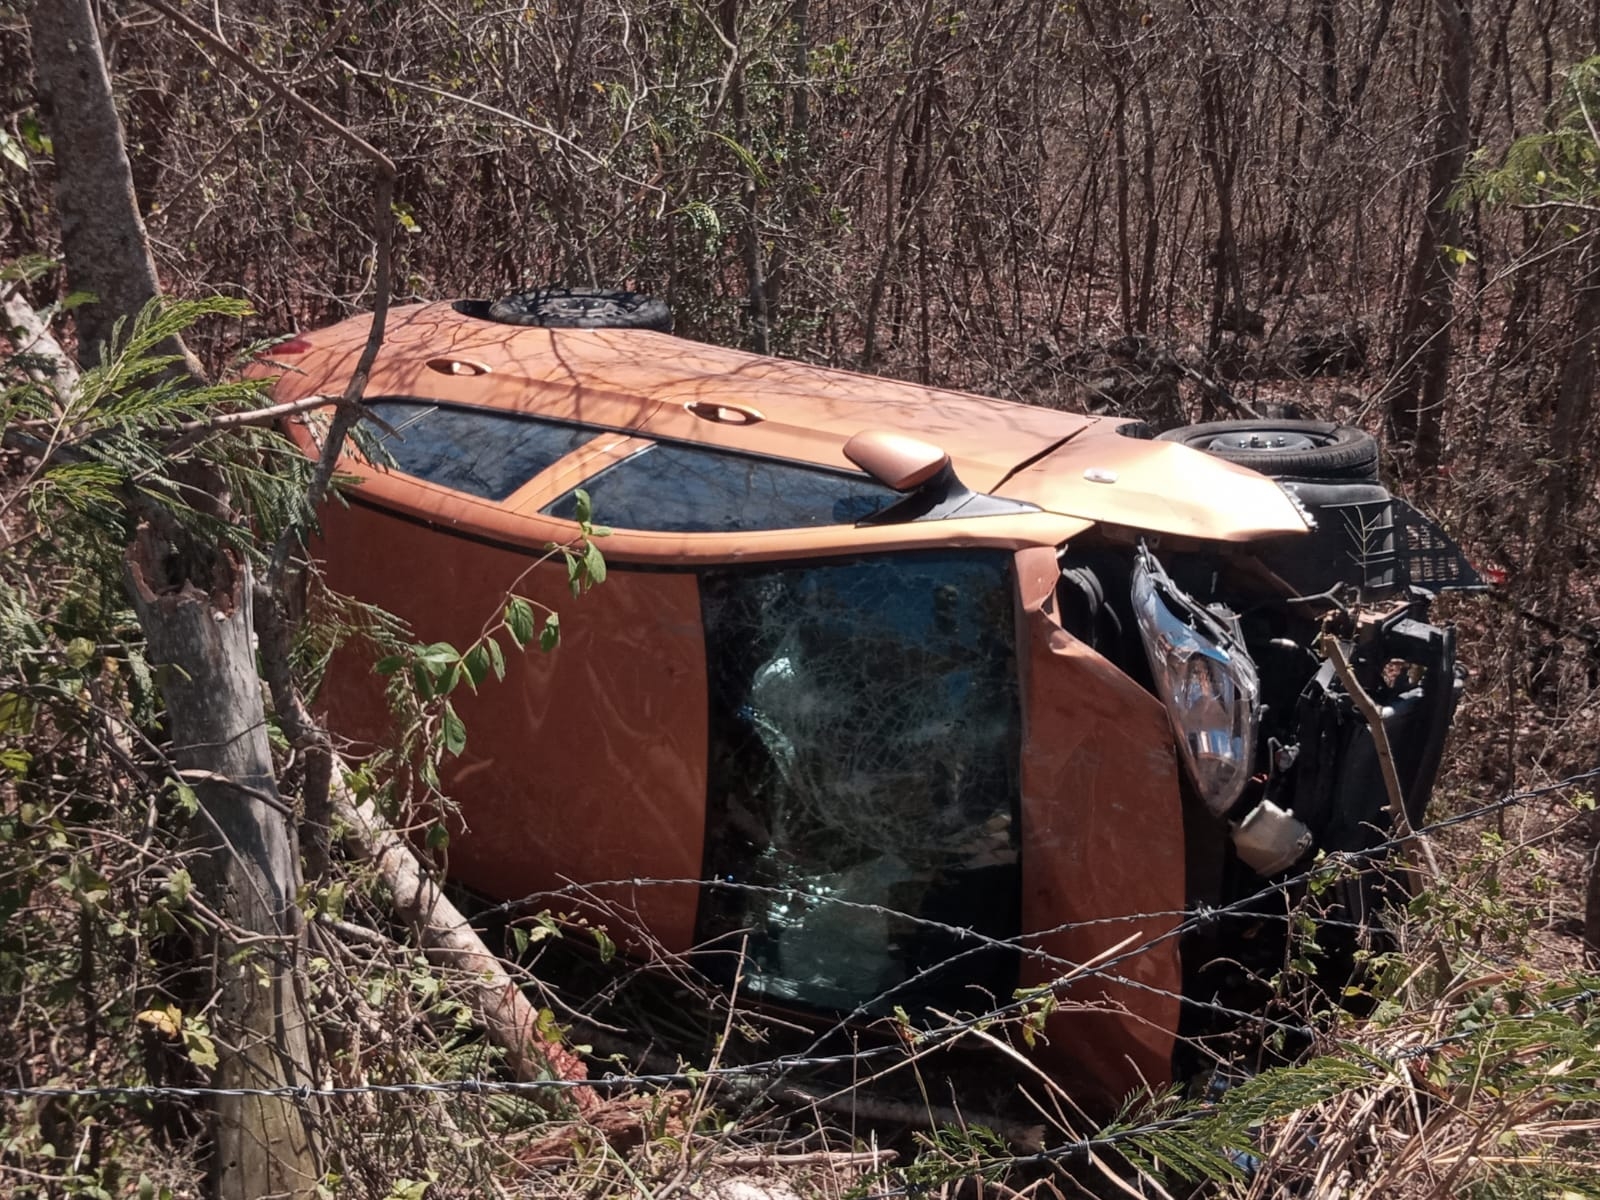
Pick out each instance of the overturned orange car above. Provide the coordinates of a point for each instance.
(892, 697)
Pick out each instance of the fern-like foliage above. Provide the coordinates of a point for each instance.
(134, 427)
(1560, 164)
(119, 434)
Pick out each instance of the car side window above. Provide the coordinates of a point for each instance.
(864, 779)
(474, 450)
(674, 488)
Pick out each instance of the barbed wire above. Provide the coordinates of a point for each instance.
(1113, 1138)
(1332, 865)
(773, 1071)
(473, 1086)
(779, 1067)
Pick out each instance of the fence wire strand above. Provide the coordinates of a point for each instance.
(775, 1069)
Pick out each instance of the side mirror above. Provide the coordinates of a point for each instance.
(895, 460)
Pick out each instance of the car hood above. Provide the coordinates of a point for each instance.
(1161, 487)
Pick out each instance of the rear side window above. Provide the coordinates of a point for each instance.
(473, 450)
(864, 787)
(690, 489)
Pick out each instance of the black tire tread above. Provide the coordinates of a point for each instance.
(1351, 454)
(582, 308)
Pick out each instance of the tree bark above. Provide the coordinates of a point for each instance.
(1569, 431)
(107, 250)
(1591, 911)
(193, 603)
(1419, 380)
(196, 616)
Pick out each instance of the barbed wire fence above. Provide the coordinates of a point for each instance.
(767, 1074)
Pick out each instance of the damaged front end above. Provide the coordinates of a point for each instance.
(1276, 752)
(1272, 741)
(1256, 657)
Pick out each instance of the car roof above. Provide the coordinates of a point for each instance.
(664, 386)
(648, 385)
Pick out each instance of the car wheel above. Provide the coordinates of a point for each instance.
(582, 308)
(1285, 449)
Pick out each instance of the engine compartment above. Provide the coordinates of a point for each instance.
(1367, 576)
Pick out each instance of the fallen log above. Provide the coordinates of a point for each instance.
(448, 940)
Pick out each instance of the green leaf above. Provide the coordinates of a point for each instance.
(188, 801)
(389, 664)
(16, 713)
(422, 677)
(403, 215)
(438, 654)
(448, 678)
(11, 150)
(33, 133)
(438, 837)
(80, 650)
(497, 658)
(179, 885)
(202, 1050)
(744, 156)
(454, 731)
(594, 563)
(476, 664)
(15, 762)
(608, 948)
(519, 621)
(550, 635)
(585, 507)
(332, 901)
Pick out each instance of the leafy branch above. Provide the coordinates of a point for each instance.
(424, 675)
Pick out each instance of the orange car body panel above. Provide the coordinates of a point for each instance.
(591, 763)
(584, 765)
(1103, 827)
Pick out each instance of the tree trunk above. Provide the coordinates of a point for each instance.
(1591, 911)
(196, 616)
(1569, 432)
(750, 188)
(1419, 380)
(193, 602)
(1591, 903)
(108, 253)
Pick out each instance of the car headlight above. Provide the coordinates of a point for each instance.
(1205, 678)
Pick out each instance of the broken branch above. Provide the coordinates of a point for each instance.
(1333, 651)
(448, 940)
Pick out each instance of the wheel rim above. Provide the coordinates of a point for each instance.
(1266, 441)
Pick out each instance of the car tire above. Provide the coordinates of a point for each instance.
(582, 308)
(1285, 449)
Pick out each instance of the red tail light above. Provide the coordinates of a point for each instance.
(295, 345)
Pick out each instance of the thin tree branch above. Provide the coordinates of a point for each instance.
(1401, 821)
(383, 162)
